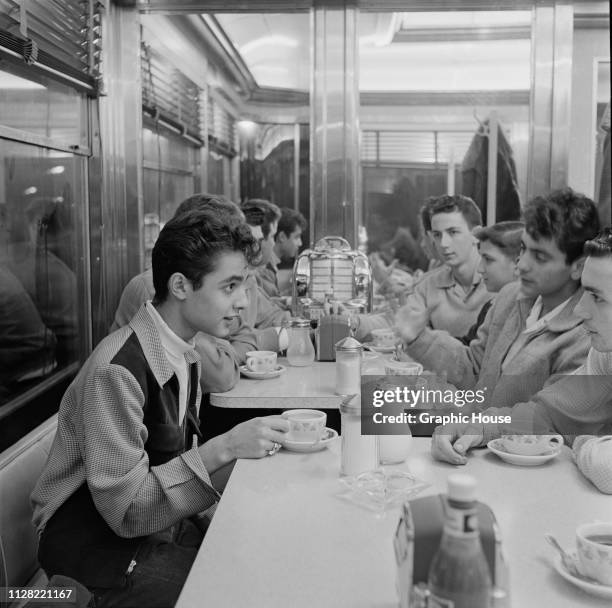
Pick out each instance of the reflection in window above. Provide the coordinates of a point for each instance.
(39, 265)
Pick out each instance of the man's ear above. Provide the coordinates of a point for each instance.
(475, 230)
(179, 285)
(576, 268)
(281, 237)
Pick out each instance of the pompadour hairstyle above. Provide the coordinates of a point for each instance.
(254, 208)
(219, 202)
(191, 243)
(567, 217)
(448, 203)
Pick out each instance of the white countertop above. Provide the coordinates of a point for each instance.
(309, 387)
(281, 536)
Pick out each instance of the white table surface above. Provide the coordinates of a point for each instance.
(282, 538)
(310, 386)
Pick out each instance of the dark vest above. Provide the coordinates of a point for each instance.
(77, 541)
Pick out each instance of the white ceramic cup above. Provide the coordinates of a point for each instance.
(402, 368)
(305, 425)
(261, 360)
(594, 548)
(531, 445)
(383, 337)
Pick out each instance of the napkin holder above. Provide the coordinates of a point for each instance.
(418, 537)
(331, 329)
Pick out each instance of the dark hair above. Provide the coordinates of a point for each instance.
(424, 213)
(255, 208)
(448, 203)
(218, 202)
(567, 217)
(190, 243)
(290, 220)
(601, 245)
(506, 236)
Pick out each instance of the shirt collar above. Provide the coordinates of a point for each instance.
(146, 331)
(560, 319)
(171, 342)
(444, 278)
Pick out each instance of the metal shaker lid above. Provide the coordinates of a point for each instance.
(349, 344)
(299, 322)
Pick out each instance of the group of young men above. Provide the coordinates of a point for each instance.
(126, 494)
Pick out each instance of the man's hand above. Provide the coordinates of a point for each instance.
(409, 322)
(451, 442)
(256, 437)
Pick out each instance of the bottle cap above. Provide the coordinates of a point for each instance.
(461, 487)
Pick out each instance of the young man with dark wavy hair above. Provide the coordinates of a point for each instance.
(127, 481)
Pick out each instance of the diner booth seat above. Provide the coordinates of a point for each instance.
(20, 467)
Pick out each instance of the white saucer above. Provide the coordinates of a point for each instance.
(597, 589)
(275, 373)
(379, 349)
(496, 446)
(306, 447)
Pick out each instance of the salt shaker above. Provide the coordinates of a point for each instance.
(348, 366)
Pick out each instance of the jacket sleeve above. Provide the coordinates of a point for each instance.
(219, 364)
(439, 352)
(269, 314)
(134, 498)
(242, 341)
(593, 456)
(571, 405)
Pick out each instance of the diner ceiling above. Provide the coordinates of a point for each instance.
(398, 52)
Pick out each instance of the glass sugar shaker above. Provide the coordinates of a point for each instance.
(300, 351)
(348, 366)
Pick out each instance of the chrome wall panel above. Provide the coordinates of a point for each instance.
(552, 39)
(116, 224)
(335, 198)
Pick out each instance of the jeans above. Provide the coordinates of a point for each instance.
(161, 566)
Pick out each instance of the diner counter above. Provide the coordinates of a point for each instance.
(281, 536)
(311, 387)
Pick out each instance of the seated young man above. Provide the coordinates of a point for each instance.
(266, 272)
(451, 296)
(219, 357)
(287, 243)
(531, 332)
(578, 406)
(115, 504)
(499, 247)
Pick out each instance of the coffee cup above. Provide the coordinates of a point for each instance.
(383, 337)
(531, 445)
(393, 367)
(594, 549)
(261, 360)
(305, 425)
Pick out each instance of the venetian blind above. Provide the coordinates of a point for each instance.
(60, 36)
(168, 94)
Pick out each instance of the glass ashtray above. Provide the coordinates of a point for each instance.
(381, 489)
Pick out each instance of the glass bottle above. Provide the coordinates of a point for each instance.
(459, 575)
(300, 351)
